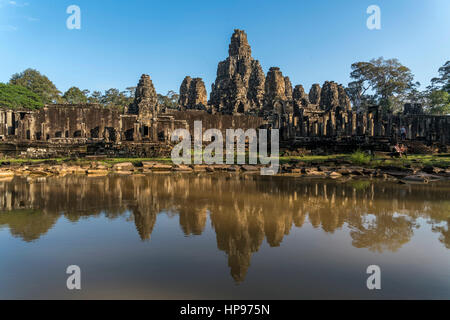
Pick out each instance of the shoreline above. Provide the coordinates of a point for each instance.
(336, 167)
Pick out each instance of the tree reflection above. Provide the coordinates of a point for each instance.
(244, 211)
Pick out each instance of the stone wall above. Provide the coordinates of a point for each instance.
(218, 121)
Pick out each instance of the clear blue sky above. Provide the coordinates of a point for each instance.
(311, 41)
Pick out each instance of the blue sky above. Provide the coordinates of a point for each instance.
(311, 41)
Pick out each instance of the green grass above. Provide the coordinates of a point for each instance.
(357, 158)
(360, 158)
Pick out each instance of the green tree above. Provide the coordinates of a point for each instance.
(37, 83)
(113, 98)
(74, 96)
(169, 101)
(95, 97)
(131, 91)
(443, 81)
(388, 82)
(439, 102)
(18, 97)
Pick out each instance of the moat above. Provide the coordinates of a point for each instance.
(222, 236)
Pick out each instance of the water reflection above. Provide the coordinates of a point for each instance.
(244, 210)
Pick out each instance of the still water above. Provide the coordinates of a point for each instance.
(167, 236)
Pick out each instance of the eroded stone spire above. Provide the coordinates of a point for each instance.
(239, 46)
(239, 86)
(193, 93)
(146, 100)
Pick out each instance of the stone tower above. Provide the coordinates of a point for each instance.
(145, 101)
(239, 86)
(278, 92)
(314, 94)
(193, 93)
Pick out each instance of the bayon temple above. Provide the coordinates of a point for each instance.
(242, 96)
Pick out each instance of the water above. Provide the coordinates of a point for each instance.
(167, 236)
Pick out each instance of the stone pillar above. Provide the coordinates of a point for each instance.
(370, 124)
(44, 131)
(326, 121)
(101, 129)
(32, 128)
(332, 128)
(10, 123)
(137, 132)
(83, 130)
(67, 128)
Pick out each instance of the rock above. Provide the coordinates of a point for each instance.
(344, 171)
(161, 167)
(334, 175)
(415, 178)
(75, 170)
(233, 168)
(222, 167)
(97, 172)
(148, 164)
(397, 174)
(249, 168)
(239, 86)
(125, 166)
(312, 172)
(394, 169)
(146, 100)
(6, 173)
(182, 168)
(200, 168)
(368, 171)
(431, 169)
(357, 172)
(124, 172)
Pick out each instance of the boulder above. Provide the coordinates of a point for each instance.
(124, 166)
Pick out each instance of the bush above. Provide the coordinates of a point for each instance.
(360, 157)
(18, 97)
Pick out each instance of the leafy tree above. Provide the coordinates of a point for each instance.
(388, 82)
(169, 101)
(37, 83)
(439, 102)
(75, 95)
(18, 97)
(114, 98)
(443, 81)
(131, 91)
(95, 97)
(437, 95)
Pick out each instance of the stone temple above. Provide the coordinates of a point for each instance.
(242, 96)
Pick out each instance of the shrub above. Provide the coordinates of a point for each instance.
(360, 157)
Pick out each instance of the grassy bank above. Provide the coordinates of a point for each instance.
(361, 159)
(357, 159)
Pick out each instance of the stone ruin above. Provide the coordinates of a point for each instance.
(239, 86)
(146, 99)
(242, 96)
(193, 94)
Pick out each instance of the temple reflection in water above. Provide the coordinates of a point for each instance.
(243, 210)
